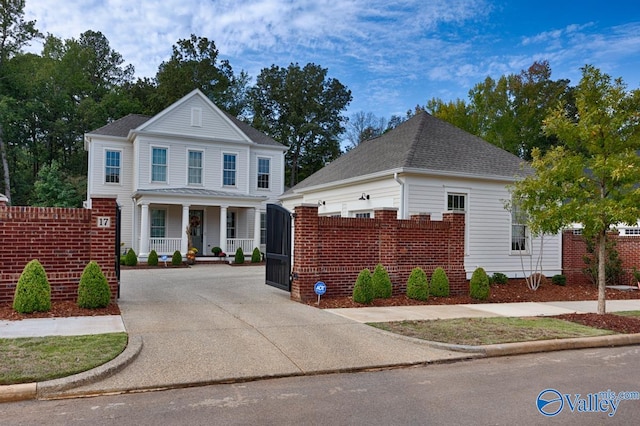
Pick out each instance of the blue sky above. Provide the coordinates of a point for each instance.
(392, 54)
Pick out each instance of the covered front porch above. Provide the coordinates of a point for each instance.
(203, 222)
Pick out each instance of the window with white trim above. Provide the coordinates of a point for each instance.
(231, 224)
(112, 166)
(229, 170)
(363, 215)
(158, 164)
(195, 168)
(263, 228)
(519, 229)
(158, 223)
(264, 168)
(456, 202)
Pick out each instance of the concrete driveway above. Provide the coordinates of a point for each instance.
(217, 323)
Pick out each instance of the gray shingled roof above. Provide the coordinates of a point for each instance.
(423, 142)
(122, 126)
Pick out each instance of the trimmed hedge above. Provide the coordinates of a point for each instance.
(559, 279)
(256, 256)
(382, 287)
(176, 259)
(439, 283)
(479, 285)
(93, 290)
(131, 258)
(417, 285)
(33, 291)
(499, 278)
(153, 258)
(363, 288)
(239, 256)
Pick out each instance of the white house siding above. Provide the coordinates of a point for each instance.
(98, 186)
(178, 122)
(488, 242)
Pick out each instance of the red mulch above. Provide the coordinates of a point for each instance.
(517, 291)
(58, 309)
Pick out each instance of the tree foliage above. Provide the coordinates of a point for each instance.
(593, 177)
(302, 109)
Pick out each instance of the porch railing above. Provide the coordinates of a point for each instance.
(165, 245)
(247, 244)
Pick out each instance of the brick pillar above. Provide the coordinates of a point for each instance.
(305, 252)
(455, 268)
(388, 254)
(103, 237)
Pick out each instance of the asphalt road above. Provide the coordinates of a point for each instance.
(495, 391)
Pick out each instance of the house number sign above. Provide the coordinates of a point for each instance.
(104, 222)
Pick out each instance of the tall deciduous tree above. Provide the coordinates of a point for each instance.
(301, 108)
(15, 33)
(592, 179)
(363, 126)
(194, 63)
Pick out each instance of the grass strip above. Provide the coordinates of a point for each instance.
(489, 331)
(37, 359)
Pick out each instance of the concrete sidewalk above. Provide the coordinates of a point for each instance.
(218, 324)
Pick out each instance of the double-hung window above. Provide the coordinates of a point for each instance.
(112, 167)
(264, 167)
(229, 170)
(456, 202)
(158, 164)
(195, 168)
(519, 231)
(158, 223)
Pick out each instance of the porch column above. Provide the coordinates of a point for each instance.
(144, 229)
(256, 227)
(184, 245)
(223, 228)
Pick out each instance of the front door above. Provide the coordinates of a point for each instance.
(196, 218)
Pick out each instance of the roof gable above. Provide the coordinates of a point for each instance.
(194, 115)
(423, 143)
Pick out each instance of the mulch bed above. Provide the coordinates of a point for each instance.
(58, 309)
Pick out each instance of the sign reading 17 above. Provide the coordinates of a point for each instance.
(104, 222)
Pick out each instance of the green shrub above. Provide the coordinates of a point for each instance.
(176, 260)
(499, 278)
(256, 256)
(439, 285)
(153, 258)
(479, 285)
(417, 285)
(33, 291)
(559, 279)
(131, 259)
(123, 259)
(239, 256)
(93, 290)
(382, 287)
(363, 289)
(216, 251)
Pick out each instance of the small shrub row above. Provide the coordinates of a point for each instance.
(375, 285)
(33, 291)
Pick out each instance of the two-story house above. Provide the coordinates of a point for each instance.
(191, 174)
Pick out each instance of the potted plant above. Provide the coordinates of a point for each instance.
(191, 255)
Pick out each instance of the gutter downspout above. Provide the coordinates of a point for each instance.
(403, 206)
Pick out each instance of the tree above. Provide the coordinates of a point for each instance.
(15, 33)
(301, 108)
(194, 64)
(52, 189)
(593, 178)
(363, 126)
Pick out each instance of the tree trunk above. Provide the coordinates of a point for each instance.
(5, 168)
(602, 278)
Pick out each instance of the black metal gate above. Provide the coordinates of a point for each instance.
(278, 256)
(118, 220)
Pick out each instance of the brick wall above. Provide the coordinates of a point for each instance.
(334, 250)
(574, 249)
(63, 240)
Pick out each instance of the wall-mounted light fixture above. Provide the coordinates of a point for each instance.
(321, 203)
(364, 197)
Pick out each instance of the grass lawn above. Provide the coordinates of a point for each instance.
(488, 331)
(38, 359)
(629, 313)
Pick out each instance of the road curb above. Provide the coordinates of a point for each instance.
(50, 388)
(44, 390)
